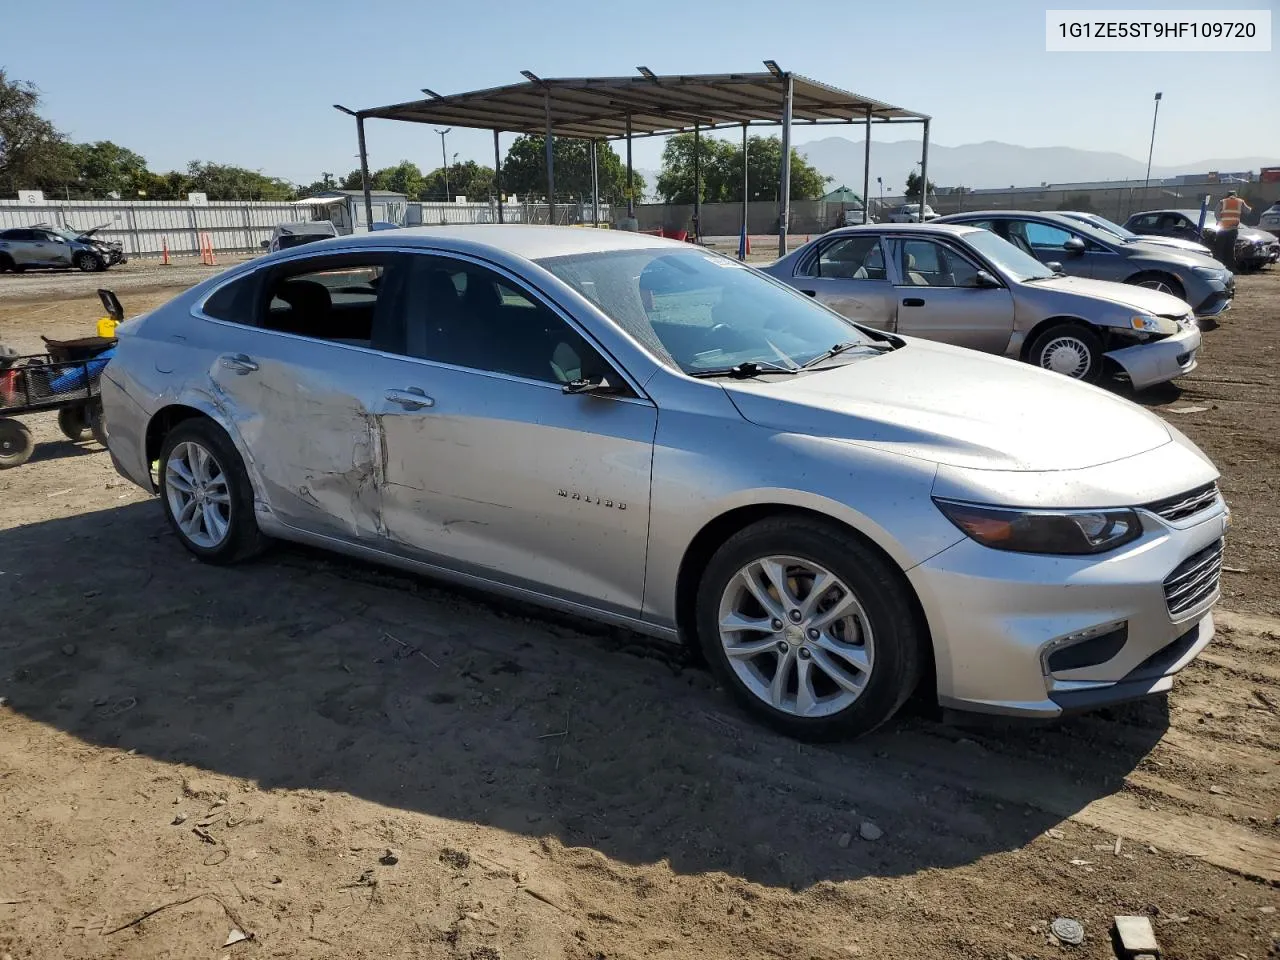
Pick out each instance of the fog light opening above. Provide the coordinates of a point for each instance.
(1085, 648)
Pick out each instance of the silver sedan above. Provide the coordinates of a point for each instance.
(639, 431)
(967, 286)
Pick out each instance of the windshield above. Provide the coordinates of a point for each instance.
(1102, 223)
(1008, 258)
(702, 311)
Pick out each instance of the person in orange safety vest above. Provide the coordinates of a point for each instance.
(1230, 209)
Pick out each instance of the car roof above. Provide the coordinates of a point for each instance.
(520, 240)
(947, 229)
(1047, 214)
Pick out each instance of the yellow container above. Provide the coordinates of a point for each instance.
(106, 327)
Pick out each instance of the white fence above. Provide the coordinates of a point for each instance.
(144, 226)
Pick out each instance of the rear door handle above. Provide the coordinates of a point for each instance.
(913, 302)
(411, 398)
(238, 363)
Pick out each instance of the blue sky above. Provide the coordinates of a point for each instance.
(252, 83)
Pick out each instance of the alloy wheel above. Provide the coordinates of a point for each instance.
(796, 636)
(1066, 355)
(1159, 285)
(198, 494)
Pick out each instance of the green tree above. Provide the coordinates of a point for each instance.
(524, 171)
(721, 171)
(226, 182)
(913, 187)
(467, 179)
(104, 167)
(353, 181)
(404, 177)
(33, 153)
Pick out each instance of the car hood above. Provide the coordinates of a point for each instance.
(957, 407)
(1253, 234)
(1175, 242)
(1174, 256)
(1125, 294)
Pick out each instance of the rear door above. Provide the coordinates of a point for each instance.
(848, 274)
(939, 297)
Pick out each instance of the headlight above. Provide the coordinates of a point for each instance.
(1145, 323)
(1074, 532)
(1213, 273)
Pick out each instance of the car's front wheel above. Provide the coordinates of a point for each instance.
(809, 628)
(1071, 349)
(87, 262)
(1160, 282)
(206, 493)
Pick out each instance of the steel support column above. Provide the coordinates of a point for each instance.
(746, 225)
(497, 175)
(595, 187)
(631, 200)
(364, 174)
(866, 174)
(551, 165)
(924, 171)
(784, 188)
(697, 183)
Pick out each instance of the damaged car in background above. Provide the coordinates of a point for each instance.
(52, 248)
(649, 434)
(966, 286)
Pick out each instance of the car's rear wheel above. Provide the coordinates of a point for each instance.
(1071, 349)
(16, 443)
(809, 628)
(1162, 282)
(206, 493)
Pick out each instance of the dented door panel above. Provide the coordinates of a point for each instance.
(513, 480)
(301, 409)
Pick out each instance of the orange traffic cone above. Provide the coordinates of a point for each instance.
(164, 248)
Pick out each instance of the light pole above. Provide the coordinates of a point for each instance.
(880, 180)
(1151, 149)
(444, 160)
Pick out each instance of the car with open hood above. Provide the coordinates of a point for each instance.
(1082, 250)
(966, 286)
(652, 435)
(45, 247)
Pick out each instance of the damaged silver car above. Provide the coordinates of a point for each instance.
(967, 286)
(646, 433)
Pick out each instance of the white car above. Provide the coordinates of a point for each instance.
(1270, 219)
(910, 213)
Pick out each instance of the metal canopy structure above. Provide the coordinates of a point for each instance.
(622, 108)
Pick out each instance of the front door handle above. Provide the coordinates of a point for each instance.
(411, 398)
(238, 363)
(913, 302)
(810, 293)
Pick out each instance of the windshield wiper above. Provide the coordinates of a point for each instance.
(840, 348)
(745, 370)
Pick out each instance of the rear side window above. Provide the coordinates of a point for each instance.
(233, 302)
(852, 258)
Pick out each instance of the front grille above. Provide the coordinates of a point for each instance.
(1185, 504)
(1194, 581)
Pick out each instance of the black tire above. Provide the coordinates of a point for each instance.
(1164, 282)
(1087, 344)
(98, 422)
(87, 262)
(878, 586)
(74, 423)
(16, 443)
(243, 539)
(6, 262)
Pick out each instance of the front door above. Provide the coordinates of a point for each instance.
(1048, 243)
(940, 298)
(490, 467)
(848, 275)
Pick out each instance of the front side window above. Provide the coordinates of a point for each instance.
(1043, 235)
(927, 263)
(701, 311)
(470, 316)
(849, 258)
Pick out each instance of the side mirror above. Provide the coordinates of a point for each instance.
(1055, 266)
(986, 280)
(600, 387)
(1075, 246)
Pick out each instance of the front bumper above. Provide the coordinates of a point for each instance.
(1218, 299)
(1159, 360)
(997, 618)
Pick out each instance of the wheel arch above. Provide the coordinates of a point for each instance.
(716, 531)
(188, 407)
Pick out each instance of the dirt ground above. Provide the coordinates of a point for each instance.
(186, 750)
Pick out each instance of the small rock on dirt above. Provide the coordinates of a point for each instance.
(1136, 935)
(458, 859)
(390, 858)
(869, 831)
(748, 913)
(69, 649)
(844, 840)
(1214, 788)
(1068, 931)
(179, 818)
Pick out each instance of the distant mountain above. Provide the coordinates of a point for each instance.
(993, 164)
